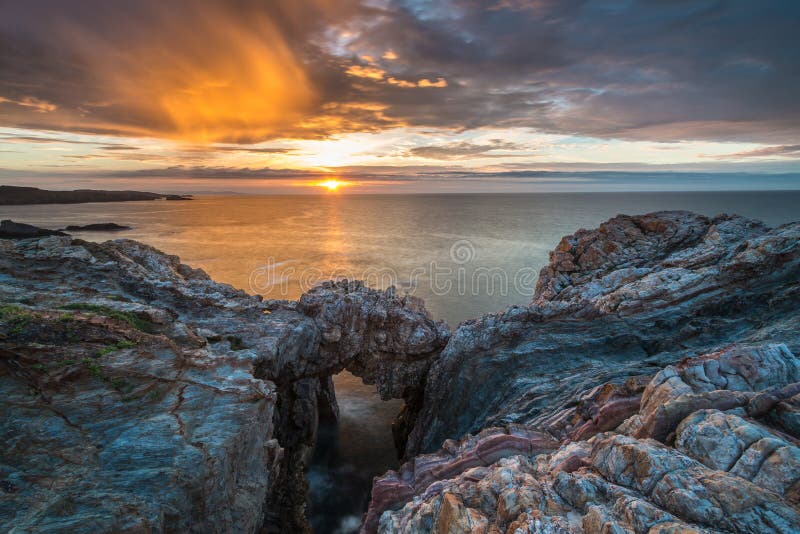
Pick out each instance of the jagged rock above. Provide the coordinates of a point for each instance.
(615, 307)
(718, 380)
(108, 428)
(140, 395)
(627, 299)
(724, 474)
(425, 471)
(602, 408)
(726, 442)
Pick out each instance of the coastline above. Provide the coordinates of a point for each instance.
(30, 196)
(629, 299)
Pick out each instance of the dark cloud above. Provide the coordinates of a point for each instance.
(206, 172)
(240, 149)
(41, 140)
(790, 151)
(119, 147)
(246, 70)
(465, 149)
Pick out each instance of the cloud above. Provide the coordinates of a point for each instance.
(203, 71)
(785, 151)
(362, 71)
(38, 105)
(17, 139)
(208, 172)
(464, 150)
(240, 149)
(246, 71)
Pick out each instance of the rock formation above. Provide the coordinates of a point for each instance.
(651, 386)
(622, 300)
(720, 468)
(139, 395)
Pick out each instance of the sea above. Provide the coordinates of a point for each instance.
(465, 254)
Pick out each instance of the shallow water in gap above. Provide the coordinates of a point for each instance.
(349, 454)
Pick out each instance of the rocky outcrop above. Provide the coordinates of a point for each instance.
(723, 471)
(652, 386)
(140, 395)
(14, 230)
(725, 380)
(432, 471)
(649, 436)
(384, 338)
(626, 299)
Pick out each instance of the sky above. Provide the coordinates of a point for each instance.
(400, 95)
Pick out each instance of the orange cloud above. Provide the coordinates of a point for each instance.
(38, 105)
(200, 74)
(441, 82)
(212, 80)
(361, 71)
(401, 83)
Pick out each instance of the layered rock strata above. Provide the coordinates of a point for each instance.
(721, 466)
(139, 395)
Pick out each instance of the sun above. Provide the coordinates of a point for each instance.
(332, 185)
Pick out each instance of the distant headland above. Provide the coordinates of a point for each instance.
(12, 195)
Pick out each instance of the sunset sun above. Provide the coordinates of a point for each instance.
(332, 185)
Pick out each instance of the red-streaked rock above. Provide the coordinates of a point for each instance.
(421, 475)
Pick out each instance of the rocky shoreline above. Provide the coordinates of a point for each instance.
(651, 386)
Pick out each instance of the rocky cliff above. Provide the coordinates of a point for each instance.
(139, 395)
(651, 386)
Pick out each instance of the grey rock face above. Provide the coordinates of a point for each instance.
(626, 299)
(139, 395)
(385, 339)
